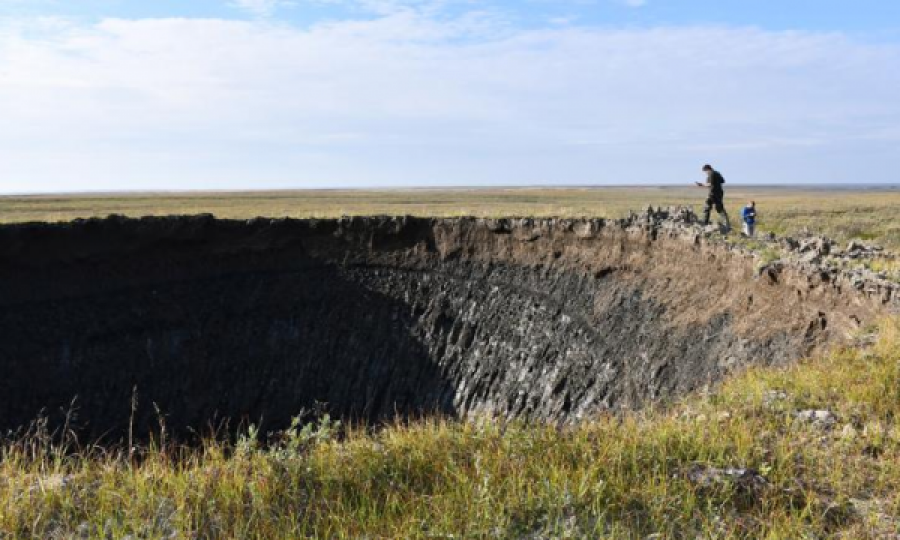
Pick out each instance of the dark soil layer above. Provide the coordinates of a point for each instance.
(255, 321)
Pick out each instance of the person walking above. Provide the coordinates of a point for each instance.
(749, 215)
(716, 197)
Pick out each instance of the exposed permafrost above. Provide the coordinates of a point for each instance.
(550, 319)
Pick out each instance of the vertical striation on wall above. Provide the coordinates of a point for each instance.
(541, 319)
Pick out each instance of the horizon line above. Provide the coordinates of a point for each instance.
(452, 187)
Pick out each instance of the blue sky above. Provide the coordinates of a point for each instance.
(872, 18)
(232, 94)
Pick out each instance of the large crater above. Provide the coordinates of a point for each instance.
(370, 318)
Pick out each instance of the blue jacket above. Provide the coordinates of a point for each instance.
(749, 214)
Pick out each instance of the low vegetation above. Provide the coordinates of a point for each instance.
(843, 214)
(808, 451)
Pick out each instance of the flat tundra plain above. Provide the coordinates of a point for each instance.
(842, 213)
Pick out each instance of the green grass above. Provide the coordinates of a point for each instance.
(609, 477)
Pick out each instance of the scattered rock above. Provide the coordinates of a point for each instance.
(819, 418)
(789, 244)
(858, 250)
(849, 432)
(811, 257)
(819, 245)
(745, 480)
(770, 397)
(771, 271)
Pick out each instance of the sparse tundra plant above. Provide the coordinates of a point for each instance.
(748, 460)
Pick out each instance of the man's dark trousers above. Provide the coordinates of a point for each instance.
(715, 200)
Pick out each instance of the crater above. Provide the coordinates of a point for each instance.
(206, 320)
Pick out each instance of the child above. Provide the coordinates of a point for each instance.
(749, 214)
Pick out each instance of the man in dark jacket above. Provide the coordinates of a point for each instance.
(716, 197)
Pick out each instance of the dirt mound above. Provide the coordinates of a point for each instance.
(549, 319)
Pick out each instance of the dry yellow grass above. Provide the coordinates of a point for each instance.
(843, 214)
(610, 477)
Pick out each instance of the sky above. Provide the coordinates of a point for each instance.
(101, 95)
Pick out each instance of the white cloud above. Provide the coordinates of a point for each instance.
(635, 3)
(411, 99)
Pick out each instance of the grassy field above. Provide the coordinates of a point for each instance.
(842, 214)
(653, 474)
(613, 477)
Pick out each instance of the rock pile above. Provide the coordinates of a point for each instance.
(818, 257)
(858, 250)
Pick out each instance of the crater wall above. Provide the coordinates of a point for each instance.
(370, 318)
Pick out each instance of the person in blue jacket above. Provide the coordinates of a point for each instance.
(749, 215)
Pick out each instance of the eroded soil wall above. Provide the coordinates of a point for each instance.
(374, 317)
